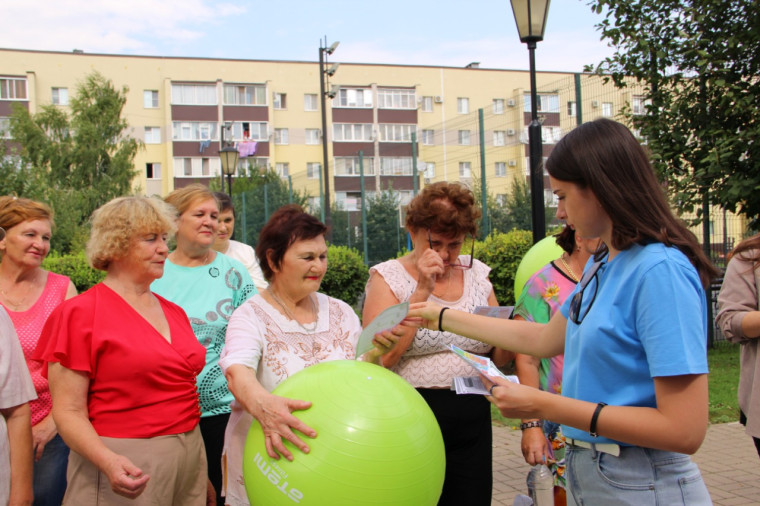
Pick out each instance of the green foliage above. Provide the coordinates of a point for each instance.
(73, 161)
(346, 274)
(76, 267)
(503, 253)
(344, 230)
(256, 196)
(384, 236)
(698, 61)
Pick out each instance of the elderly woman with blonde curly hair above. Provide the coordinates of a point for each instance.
(122, 365)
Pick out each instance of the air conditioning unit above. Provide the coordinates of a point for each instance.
(595, 104)
(511, 102)
(513, 163)
(510, 131)
(438, 99)
(427, 180)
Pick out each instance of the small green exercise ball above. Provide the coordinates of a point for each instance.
(540, 254)
(377, 442)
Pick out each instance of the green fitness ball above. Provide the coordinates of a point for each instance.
(540, 254)
(377, 442)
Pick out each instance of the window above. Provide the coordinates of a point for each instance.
(250, 131)
(194, 94)
(427, 104)
(346, 132)
(396, 166)
(313, 170)
(396, 99)
(498, 106)
(499, 137)
(464, 137)
(396, 133)
(501, 199)
(282, 169)
(5, 128)
(310, 102)
(193, 131)
(150, 99)
(196, 167)
(280, 101)
(465, 170)
(315, 204)
(429, 170)
(546, 103)
(550, 135)
(639, 105)
(349, 166)
(500, 169)
(427, 137)
(281, 136)
(60, 96)
(463, 105)
(12, 89)
(572, 110)
(153, 170)
(312, 136)
(348, 97)
(550, 199)
(348, 201)
(607, 109)
(245, 94)
(152, 135)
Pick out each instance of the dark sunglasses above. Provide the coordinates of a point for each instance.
(576, 302)
(457, 265)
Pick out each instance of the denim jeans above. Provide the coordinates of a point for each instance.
(638, 477)
(50, 473)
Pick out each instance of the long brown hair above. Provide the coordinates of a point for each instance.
(749, 250)
(603, 155)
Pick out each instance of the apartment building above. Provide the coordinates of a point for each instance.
(469, 123)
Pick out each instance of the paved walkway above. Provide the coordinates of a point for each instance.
(727, 459)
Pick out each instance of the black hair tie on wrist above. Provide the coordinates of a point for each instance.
(592, 429)
(440, 319)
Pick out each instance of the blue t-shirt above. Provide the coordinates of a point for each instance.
(208, 294)
(648, 319)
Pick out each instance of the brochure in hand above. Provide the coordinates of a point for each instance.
(472, 384)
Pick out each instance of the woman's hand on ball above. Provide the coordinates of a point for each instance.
(278, 423)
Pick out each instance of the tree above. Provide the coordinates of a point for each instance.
(75, 161)
(344, 231)
(384, 235)
(698, 62)
(257, 195)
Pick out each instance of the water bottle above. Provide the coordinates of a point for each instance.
(541, 485)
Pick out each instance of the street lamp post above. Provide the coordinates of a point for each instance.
(530, 17)
(229, 158)
(324, 51)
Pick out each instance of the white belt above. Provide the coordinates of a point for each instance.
(610, 448)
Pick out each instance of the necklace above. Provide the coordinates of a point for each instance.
(448, 285)
(311, 326)
(21, 302)
(569, 270)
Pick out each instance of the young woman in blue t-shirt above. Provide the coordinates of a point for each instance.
(634, 394)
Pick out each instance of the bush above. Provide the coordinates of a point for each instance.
(346, 274)
(503, 253)
(74, 266)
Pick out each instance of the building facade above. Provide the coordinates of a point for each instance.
(469, 123)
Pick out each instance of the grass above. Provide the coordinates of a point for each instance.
(723, 381)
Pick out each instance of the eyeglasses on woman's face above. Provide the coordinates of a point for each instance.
(456, 264)
(577, 301)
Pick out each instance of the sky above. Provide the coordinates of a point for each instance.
(438, 33)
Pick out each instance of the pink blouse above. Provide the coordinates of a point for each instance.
(28, 325)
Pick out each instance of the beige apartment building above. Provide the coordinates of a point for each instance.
(468, 122)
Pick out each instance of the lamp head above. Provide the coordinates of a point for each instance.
(332, 70)
(530, 17)
(229, 156)
(333, 47)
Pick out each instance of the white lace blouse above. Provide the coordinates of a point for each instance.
(428, 363)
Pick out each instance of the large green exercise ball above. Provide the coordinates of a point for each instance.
(540, 254)
(377, 442)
